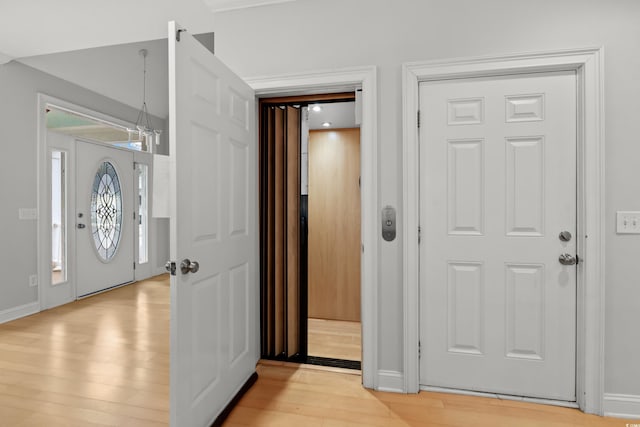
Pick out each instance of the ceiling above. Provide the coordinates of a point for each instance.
(339, 114)
(96, 45)
(115, 72)
(31, 28)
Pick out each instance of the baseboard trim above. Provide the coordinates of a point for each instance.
(18, 312)
(227, 410)
(392, 381)
(621, 406)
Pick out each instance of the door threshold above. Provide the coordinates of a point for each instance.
(101, 291)
(267, 362)
(334, 363)
(552, 402)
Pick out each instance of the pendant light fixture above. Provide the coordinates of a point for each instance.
(145, 132)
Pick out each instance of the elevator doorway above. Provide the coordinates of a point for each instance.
(310, 230)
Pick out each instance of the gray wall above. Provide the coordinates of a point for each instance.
(341, 33)
(19, 86)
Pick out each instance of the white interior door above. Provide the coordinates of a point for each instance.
(497, 187)
(214, 311)
(104, 217)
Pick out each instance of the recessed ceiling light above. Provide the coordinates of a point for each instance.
(326, 124)
(316, 108)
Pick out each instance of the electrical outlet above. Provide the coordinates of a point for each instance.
(33, 280)
(628, 222)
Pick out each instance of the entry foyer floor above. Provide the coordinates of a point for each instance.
(104, 361)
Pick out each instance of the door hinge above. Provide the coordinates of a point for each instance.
(178, 33)
(419, 349)
(134, 265)
(135, 165)
(134, 215)
(419, 234)
(418, 119)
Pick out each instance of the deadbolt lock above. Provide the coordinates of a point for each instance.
(564, 236)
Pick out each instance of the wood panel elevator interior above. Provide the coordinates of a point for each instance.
(310, 245)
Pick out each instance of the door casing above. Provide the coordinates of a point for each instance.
(43, 192)
(588, 65)
(344, 81)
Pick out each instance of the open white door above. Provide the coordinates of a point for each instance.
(214, 310)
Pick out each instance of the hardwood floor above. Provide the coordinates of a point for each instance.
(104, 361)
(335, 339)
(298, 395)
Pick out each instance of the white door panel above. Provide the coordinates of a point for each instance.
(498, 185)
(214, 312)
(101, 265)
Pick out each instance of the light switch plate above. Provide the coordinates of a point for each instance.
(27, 213)
(628, 222)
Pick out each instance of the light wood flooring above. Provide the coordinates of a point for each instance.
(298, 395)
(335, 339)
(104, 361)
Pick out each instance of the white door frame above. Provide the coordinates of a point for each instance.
(337, 81)
(588, 65)
(44, 183)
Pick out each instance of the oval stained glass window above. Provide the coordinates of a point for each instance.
(106, 211)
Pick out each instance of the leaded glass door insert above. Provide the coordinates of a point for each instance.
(106, 211)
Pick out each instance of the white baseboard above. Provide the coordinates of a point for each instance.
(622, 406)
(392, 381)
(18, 312)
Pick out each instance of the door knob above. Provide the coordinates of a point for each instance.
(188, 266)
(567, 259)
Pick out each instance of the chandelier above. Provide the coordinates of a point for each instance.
(145, 132)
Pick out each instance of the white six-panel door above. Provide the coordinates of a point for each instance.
(214, 311)
(497, 186)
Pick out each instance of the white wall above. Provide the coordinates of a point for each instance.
(19, 86)
(342, 33)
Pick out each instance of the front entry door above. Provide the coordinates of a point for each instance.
(214, 299)
(497, 187)
(104, 217)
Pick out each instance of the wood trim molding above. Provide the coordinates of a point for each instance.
(17, 312)
(336, 81)
(622, 406)
(588, 65)
(217, 6)
(391, 381)
(335, 97)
